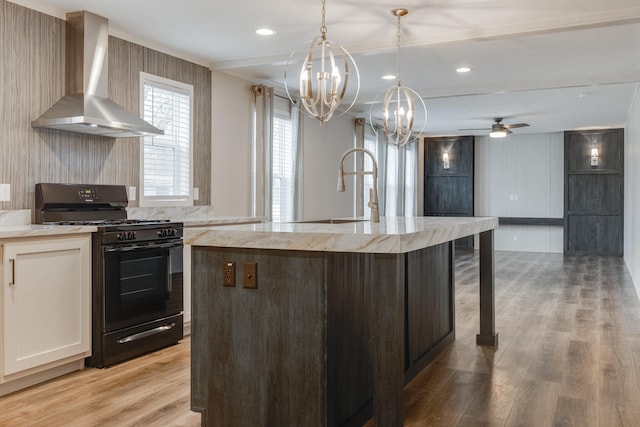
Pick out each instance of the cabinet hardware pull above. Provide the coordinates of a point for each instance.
(12, 282)
(146, 333)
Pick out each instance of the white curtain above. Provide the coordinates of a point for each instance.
(397, 172)
(264, 110)
(297, 121)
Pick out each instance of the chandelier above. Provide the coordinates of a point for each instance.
(324, 76)
(399, 102)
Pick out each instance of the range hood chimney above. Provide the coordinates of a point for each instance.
(85, 108)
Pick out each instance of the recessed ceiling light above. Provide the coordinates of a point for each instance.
(388, 77)
(463, 69)
(265, 32)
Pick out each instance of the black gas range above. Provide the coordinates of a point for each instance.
(137, 265)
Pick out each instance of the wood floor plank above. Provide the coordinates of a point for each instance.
(535, 404)
(619, 384)
(575, 412)
(581, 380)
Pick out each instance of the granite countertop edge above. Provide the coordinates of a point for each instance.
(391, 235)
(36, 230)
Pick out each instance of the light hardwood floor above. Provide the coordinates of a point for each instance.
(152, 390)
(569, 355)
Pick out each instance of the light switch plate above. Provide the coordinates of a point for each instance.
(250, 275)
(132, 193)
(196, 193)
(5, 193)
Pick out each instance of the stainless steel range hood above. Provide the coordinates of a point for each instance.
(85, 108)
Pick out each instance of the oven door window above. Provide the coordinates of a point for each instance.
(141, 283)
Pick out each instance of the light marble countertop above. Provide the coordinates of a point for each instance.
(34, 230)
(190, 216)
(390, 235)
(17, 224)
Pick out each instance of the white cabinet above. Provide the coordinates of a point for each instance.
(46, 303)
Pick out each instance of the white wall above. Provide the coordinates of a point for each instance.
(522, 176)
(231, 145)
(632, 191)
(324, 144)
(231, 155)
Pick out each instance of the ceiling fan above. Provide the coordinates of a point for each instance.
(499, 130)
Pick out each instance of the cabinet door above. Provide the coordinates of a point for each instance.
(46, 302)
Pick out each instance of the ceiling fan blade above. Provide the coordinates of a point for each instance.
(476, 129)
(516, 125)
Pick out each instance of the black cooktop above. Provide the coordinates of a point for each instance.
(108, 222)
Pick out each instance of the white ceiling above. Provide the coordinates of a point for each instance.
(557, 65)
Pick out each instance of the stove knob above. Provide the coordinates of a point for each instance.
(119, 236)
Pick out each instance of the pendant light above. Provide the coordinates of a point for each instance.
(324, 76)
(400, 102)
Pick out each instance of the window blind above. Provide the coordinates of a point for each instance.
(167, 168)
(283, 173)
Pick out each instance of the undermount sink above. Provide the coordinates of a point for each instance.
(332, 221)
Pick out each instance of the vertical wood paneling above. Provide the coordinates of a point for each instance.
(32, 73)
(594, 194)
(349, 360)
(527, 166)
(259, 353)
(449, 192)
(430, 302)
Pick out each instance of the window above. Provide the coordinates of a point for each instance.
(276, 157)
(283, 163)
(370, 143)
(397, 175)
(166, 172)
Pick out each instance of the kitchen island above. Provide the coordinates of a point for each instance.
(322, 324)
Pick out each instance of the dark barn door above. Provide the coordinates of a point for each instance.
(593, 197)
(449, 191)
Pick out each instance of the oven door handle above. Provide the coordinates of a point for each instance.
(134, 247)
(147, 333)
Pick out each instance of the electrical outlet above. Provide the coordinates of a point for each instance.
(250, 275)
(229, 274)
(5, 192)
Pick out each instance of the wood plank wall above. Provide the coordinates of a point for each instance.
(449, 192)
(594, 195)
(32, 73)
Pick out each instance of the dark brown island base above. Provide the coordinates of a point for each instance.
(304, 324)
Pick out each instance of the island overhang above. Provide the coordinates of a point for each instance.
(390, 235)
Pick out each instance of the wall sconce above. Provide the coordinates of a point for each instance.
(594, 157)
(445, 160)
